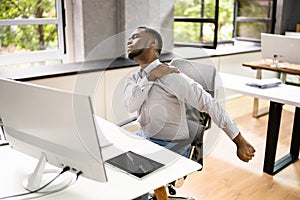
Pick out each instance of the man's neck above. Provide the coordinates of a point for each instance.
(143, 65)
(145, 59)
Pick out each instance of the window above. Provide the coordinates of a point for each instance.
(196, 22)
(253, 17)
(31, 31)
(207, 23)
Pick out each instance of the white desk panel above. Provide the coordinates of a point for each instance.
(15, 166)
(286, 94)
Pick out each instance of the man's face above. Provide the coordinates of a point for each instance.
(138, 42)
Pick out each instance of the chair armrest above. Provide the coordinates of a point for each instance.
(128, 121)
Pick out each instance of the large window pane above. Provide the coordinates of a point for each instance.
(195, 8)
(191, 32)
(225, 21)
(27, 9)
(258, 8)
(254, 17)
(252, 29)
(31, 31)
(28, 38)
(203, 21)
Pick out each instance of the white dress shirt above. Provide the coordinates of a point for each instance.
(160, 104)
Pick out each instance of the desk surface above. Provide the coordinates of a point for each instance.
(268, 65)
(286, 94)
(15, 166)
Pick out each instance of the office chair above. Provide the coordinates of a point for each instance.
(197, 121)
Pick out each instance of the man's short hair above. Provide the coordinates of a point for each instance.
(156, 35)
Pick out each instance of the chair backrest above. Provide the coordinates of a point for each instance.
(197, 121)
(202, 73)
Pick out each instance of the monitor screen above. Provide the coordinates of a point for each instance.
(285, 47)
(54, 123)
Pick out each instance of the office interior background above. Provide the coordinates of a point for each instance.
(60, 43)
(78, 31)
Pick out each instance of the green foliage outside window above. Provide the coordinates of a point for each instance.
(27, 37)
(259, 9)
(256, 10)
(190, 32)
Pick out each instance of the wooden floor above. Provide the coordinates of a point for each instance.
(225, 177)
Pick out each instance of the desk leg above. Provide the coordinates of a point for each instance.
(283, 77)
(275, 111)
(270, 166)
(295, 143)
(255, 111)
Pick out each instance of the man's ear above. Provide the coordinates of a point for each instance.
(154, 43)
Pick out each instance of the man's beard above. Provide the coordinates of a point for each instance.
(135, 53)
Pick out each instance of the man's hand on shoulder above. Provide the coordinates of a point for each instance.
(161, 71)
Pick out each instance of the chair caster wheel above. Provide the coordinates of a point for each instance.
(172, 191)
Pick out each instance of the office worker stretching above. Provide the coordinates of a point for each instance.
(158, 93)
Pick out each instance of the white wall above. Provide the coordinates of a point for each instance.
(106, 88)
(98, 29)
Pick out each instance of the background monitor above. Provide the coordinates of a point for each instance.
(52, 125)
(286, 47)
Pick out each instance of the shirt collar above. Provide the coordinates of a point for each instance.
(152, 65)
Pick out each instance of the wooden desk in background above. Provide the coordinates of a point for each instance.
(283, 68)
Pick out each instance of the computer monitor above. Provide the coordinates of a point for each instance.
(286, 47)
(54, 126)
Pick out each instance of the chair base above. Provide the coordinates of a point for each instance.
(152, 197)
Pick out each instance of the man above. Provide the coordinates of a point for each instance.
(158, 87)
(158, 93)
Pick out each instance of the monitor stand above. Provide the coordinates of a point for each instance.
(40, 177)
(3, 140)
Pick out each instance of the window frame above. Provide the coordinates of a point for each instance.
(39, 55)
(201, 20)
(271, 21)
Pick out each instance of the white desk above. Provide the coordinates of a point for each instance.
(278, 96)
(286, 94)
(15, 166)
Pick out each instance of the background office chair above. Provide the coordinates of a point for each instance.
(198, 122)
